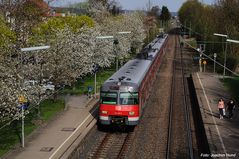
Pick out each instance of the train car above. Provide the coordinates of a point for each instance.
(123, 95)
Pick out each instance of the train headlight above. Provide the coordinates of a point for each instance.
(130, 89)
(104, 112)
(131, 113)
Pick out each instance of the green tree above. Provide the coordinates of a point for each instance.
(198, 17)
(7, 36)
(80, 5)
(205, 20)
(23, 15)
(165, 14)
(46, 32)
(156, 12)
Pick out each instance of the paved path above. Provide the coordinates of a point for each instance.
(48, 139)
(222, 134)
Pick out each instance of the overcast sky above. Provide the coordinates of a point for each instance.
(173, 5)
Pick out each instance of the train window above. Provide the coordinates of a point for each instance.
(129, 98)
(108, 98)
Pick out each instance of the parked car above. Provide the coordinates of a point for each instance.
(46, 87)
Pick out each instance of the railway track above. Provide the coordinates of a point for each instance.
(153, 137)
(113, 145)
(179, 143)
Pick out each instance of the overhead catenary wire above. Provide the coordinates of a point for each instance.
(201, 52)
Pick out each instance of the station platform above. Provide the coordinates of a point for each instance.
(222, 134)
(55, 138)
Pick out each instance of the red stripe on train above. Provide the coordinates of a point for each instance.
(119, 110)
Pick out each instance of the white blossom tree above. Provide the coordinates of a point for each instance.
(12, 87)
(101, 49)
(72, 55)
(128, 22)
(137, 29)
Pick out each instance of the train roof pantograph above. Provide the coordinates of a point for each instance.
(135, 70)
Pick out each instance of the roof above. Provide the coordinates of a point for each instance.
(41, 4)
(156, 45)
(77, 11)
(133, 71)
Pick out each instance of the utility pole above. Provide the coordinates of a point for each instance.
(223, 50)
(200, 64)
(116, 42)
(185, 26)
(215, 56)
(23, 143)
(200, 60)
(149, 7)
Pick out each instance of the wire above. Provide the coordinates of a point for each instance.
(36, 105)
(209, 58)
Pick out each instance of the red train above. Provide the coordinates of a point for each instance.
(123, 95)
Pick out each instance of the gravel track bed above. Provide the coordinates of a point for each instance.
(111, 146)
(93, 138)
(179, 146)
(151, 135)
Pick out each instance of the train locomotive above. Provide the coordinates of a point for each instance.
(123, 95)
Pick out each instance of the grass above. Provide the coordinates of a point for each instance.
(192, 42)
(11, 134)
(49, 108)
(81, 86)
(233, 84)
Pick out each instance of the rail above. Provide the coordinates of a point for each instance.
(187, 115)
(188, 134)
(113, 145)
(171, 111)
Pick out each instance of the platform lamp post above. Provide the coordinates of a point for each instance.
(225, 54)
(231, 41)
(95, 71)
(22, 98)
(116, 42)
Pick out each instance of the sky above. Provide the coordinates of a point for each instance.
(172, 5)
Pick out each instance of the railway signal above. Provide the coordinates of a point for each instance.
(204, 65)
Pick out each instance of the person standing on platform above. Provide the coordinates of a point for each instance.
(230, 106)
(221, 106)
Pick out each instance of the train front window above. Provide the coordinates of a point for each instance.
(129, 98)
(108, 98)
